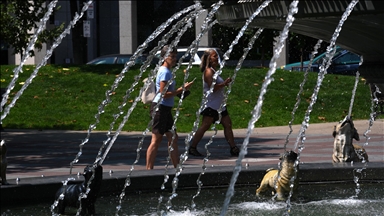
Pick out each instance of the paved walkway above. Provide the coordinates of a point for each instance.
(33, 153)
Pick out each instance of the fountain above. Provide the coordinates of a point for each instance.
(183, 177)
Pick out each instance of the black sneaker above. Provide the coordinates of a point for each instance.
(193, 151)
(235, 151)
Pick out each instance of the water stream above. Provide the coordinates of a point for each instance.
(181, 31)
(207, 24)
(173, 44)
(179, 27)
(120, 77)
(256, 113)
(353, 94)
(323, 70)
(298, 96)
(238, 66)
(358, 172)
(217, 73)
(151, 76)
(130, 63)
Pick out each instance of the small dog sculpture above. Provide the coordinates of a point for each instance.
(3, 163)
(279, 181)
(343, 148)
(72, 192)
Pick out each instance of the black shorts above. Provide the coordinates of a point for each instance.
(163, 120)
(213, 113)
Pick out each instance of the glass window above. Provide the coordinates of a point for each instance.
(180, 54)
(106, 60)
(122, 60)
(200, 53)
(348, 58)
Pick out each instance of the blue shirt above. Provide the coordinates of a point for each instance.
(164, 74)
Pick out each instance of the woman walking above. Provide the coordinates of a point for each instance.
(163, 120)
(209, 64)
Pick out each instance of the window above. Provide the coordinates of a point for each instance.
(348, 58)
(180, 54)
(122, 60)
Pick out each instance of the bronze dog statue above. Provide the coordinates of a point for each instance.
(72, 192)
(3, 163)
(279, 180)
(343, 148)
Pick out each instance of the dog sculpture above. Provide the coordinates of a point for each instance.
(92, 175)
(279, 180)
(3, 163)
(343, 148)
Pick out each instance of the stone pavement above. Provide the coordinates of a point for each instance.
(33, 153)
(38, 161)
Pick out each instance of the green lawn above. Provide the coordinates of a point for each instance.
(63, 97)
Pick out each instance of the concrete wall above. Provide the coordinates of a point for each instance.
(206, 40)
(128, 26)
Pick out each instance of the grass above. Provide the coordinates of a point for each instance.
(68, 98)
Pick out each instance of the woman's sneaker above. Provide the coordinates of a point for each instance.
(235, 151)
(193, 151)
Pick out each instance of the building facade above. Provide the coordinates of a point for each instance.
(107, 27)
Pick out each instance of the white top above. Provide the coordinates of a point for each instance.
(215, 98)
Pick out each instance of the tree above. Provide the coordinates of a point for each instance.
(19, 19)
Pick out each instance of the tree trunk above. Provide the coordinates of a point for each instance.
(301, 59)
(262, 57)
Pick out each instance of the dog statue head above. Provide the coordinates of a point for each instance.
(288, 160)
(90, 169)
(346, 126)
(344, 133)
(289, 156)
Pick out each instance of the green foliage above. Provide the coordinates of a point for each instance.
(68, 98)
(19, 19)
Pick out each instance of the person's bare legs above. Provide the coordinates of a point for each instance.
(175, 151)
(206, 123)
(152, 150)
(228, 132)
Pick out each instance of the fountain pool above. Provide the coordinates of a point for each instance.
(312, 199)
